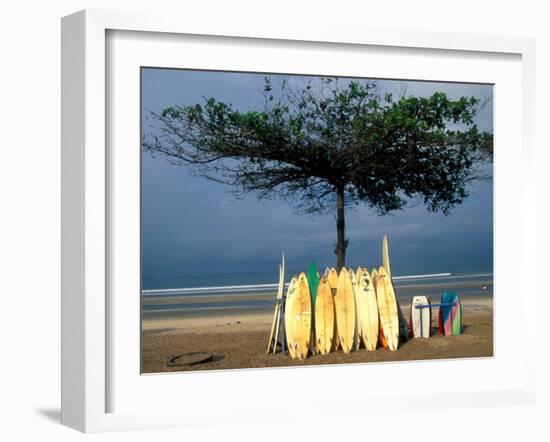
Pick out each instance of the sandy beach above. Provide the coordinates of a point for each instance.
(239, 340)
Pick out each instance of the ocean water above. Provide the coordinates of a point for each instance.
(210, 280)
(257, 293)
(271, 277)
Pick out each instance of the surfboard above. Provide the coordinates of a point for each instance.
(387, 309)
(280, 323)
(324, 317)
(301, 318)
(332, 278)
(382, 339)
(386, 256)
(367, 311)
(374, 274)
(344, 304)
(288, 315)
(445, 314)
(313, 281)
(456, 314)
(276, 324)
(403, 327)
(333, 281)
(276, 314)
(450, 314)
(420, 317)
(358, 273)
(355, 290)
(440, 322)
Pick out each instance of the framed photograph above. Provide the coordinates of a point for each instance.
(246, 208)
(224, 155)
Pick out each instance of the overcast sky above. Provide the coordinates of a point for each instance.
(192, 225)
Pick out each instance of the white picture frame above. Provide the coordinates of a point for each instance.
(87, 206)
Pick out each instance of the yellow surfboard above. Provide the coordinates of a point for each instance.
(387, 309)
(367, 311)
(374, 274)
(355, 290)
(344, 303)
(324, 317)
(333, 281)
(358, 273)
(301, 318)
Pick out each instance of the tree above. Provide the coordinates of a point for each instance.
(325, 146)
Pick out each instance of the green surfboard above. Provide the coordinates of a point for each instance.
(313, 281)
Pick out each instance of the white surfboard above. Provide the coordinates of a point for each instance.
(386, 256)
(276, 323)
(289, 329)
(420, 317)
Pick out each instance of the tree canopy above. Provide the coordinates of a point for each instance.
(324, 146)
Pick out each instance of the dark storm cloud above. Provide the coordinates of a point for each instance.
(193, 225)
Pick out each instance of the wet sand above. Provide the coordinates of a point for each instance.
(239, 340)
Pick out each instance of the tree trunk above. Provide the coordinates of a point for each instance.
(340, 229)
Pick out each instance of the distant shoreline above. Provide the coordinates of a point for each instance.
(206, 303)
(268, 286)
